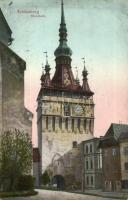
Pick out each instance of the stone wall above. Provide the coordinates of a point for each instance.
(14, 114)
(5, 34)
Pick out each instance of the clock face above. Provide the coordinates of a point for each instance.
(78, 109)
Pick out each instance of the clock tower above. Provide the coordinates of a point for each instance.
(65, 112)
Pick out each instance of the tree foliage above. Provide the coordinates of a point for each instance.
(45, 178)
(15, 157)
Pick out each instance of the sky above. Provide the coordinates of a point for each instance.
(97, 30)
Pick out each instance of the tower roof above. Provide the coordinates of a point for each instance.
(63, 79)
(63, 49)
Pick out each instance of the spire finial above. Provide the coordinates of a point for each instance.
(47, 66)
(46, 57)
(85, 73)
(62, 13)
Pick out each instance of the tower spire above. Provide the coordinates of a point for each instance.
(62, 13)
(63, 29)
(63, 49)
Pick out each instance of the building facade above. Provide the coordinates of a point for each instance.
(13, 113)
(123, 144)
(65, 113)
(115, 158)
(92, 164)
(36, 166)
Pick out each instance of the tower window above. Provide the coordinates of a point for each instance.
(90, 124)
(53, 123)
(66, 109)
(60, 123)
(74, 144)
(85, 123)
(78, 124)
(46, 122)
(72, 125)
(66, 124)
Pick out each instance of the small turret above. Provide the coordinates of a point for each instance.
(45, 78)
(47, 70)
(85, 85)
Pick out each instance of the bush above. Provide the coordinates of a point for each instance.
(18, 194)
(25, 182)
(45, 178)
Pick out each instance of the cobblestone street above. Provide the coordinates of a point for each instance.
(58, 195)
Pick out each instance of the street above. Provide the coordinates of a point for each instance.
(58, 195)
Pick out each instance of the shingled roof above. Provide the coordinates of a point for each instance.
(115, 130)
(114, 134)
(124, 136)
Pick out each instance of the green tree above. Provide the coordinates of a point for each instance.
(15, 157)
(45, 178)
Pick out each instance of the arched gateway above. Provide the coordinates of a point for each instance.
(59, 181)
